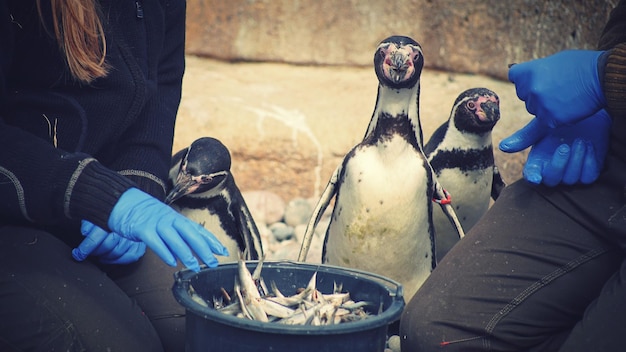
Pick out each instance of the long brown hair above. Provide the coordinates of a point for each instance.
(79, 32)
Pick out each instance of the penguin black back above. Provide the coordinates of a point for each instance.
(204, 190)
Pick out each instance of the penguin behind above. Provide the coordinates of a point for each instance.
(204, 190)
(460, 152)
(381, 220)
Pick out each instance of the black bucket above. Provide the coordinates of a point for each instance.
(210, 330)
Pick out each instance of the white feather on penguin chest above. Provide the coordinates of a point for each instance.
(213, 223)
(470, 192)
(470, 189)
(381, 219)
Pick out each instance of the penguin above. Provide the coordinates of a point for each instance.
(461, 154)
(382, 218)
(204, 190)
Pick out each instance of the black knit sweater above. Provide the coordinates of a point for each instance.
(614, 80)
(69, 150)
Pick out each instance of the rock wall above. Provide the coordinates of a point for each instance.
(473, 36)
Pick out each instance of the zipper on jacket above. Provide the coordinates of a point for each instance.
(139, 9)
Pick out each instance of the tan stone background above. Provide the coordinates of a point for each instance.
(471, 36)
(289, 87)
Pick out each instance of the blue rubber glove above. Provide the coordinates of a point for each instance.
(560, 89)
(567, 154)
(141, 217)
(109, 248)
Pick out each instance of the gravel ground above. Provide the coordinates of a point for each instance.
(282, 225)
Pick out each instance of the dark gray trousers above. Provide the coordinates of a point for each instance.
(49, 302)
(543, 270)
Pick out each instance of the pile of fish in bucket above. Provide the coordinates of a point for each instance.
(251, 299)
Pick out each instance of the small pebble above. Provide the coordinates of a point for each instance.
(266, 207)
(298, 212)
(393, 343)
(281, 231)
(282, 225)
(286, 250)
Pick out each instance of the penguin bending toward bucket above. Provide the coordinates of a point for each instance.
(461, 153)
(204, 190)
(381, 220)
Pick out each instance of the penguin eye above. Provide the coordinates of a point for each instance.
(416, 57)
(471, 105)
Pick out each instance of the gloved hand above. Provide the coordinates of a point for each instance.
(560, 89)
(141, 217)
(110, 248)
(567, 154)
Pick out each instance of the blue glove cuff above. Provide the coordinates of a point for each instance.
(599, 63)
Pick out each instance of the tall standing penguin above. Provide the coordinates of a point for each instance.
(461, 153)
(381, 221)
(204, 190)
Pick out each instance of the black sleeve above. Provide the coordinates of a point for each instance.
(146, 147)
(613, 75)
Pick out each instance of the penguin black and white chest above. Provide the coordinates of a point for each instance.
(381, 220)
(204, 190)
(461, 153)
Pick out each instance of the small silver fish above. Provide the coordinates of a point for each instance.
(308, 306)
(249, 294)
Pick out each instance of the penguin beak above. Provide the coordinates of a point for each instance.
(398, 64)
(489, 112)
(184, 185)
(487, 109)
(187, 184)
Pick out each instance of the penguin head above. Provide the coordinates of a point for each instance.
(476, 110)
(398, 62)
(205, 165)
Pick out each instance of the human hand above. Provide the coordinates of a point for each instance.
(141, 217)
(567, 154)
(560, 89)
(110, 248)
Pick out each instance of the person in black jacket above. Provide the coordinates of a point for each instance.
(545, 269)
(89, 92)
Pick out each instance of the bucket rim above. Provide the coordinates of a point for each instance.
(392, 313)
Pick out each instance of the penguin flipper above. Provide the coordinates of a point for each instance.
(248, 229)
(497, 184)
(322, 204)
(440, 196)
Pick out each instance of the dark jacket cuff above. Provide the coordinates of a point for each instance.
(614, 82)
(95, 193)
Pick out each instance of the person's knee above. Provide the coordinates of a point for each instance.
(171, 330)
(417, 331)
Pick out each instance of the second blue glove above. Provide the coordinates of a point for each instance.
(567, 154)
(109, 248)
